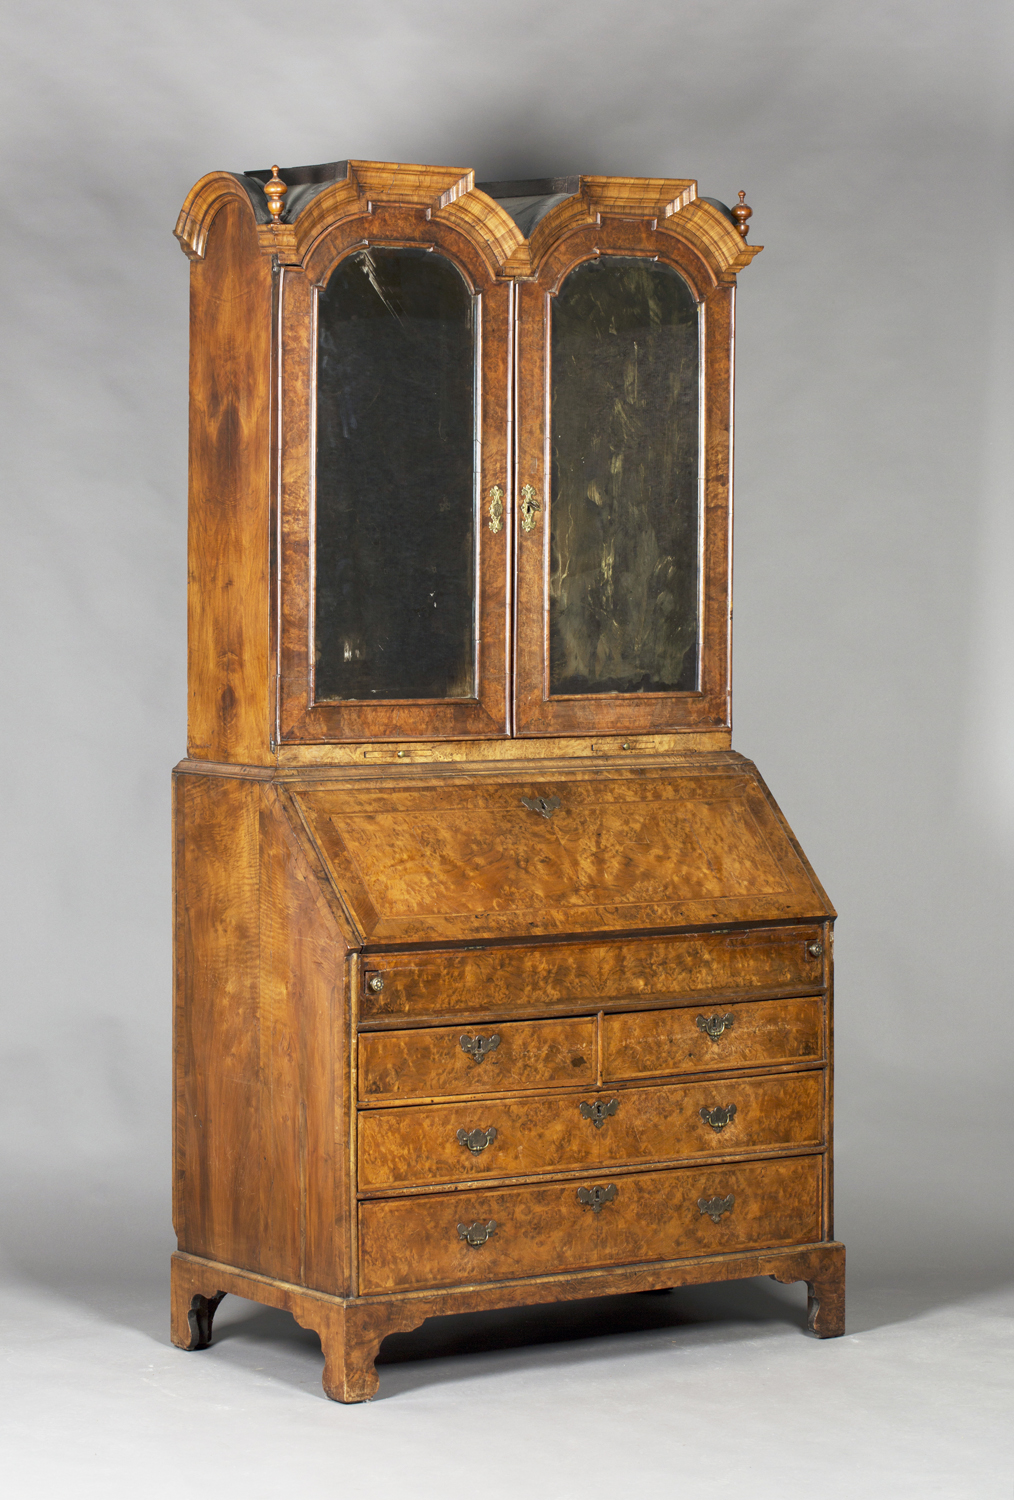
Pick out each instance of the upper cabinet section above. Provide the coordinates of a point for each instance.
(460, 457)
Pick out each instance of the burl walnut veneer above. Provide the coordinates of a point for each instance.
(500, 978)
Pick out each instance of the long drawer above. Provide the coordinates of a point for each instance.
(449, 1143)
(468, 1236)
(426, 986)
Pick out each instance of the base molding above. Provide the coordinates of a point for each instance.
(351, 1329)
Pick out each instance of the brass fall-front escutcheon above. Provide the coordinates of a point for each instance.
(713, 1026)
(598, 1112)
(719, 1115)
(495, 509)
(530, 507)
(477, 1140)
(594, 1198)
(476, 1234)
(716, 1207)
(477, 1047)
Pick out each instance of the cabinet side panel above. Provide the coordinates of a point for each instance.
(218, 1147)
(229, 646)
(260, 1183)
(302, 974)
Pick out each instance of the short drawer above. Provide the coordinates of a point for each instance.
(475, 1060)
(589, 976)
(647, 1044)
(427, 1145)
(469, 1236)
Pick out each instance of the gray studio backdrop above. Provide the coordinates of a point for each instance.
(874, 623)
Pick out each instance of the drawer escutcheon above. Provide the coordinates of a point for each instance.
(595, 1197)
(478, 1048)
(716, 1207)
(713, 1026)
(598, 1112)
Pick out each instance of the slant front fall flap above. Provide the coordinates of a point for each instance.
(475, 857)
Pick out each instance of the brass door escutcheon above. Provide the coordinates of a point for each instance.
(713, 1026)
(718, 1116)
(530, 507)
(544, 806)
(716, 1207)
(496, 509)
(598, 1112)
(594, 1198)
(476, 1234)
(478, 1047)
(477, 1140)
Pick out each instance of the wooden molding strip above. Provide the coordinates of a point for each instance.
(449, 195)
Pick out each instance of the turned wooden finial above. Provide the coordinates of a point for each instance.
(275, 190)
(740, 213)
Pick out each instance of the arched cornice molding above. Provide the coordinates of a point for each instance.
(201, 205)
(489, 227)
(670, 204)
(719, 244)
(447, 194)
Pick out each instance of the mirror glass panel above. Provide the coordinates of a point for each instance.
(624, 513)
(394, 572)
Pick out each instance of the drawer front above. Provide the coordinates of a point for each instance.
(409, 1243)
(477, 1060)
(648, 1044)
(449, 1143)
(591, 975)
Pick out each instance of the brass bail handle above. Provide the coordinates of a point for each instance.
(716, 1207)
(718, 1115)
(477, 1233)
(477, 1140)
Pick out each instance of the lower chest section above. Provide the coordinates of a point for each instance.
(538, 1111)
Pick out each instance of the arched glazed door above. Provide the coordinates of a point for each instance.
(394, 342)
(624, 428)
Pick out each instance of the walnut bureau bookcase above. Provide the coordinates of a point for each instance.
(499, 976)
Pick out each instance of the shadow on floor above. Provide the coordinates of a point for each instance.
(578, 1331)
(106, 1248)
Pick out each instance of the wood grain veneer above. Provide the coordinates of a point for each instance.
(692, 967)
(230, 677)
(357, 885)
(261, 1023)
(548, 1134)
(652, 1043)
(530, 1054)
(654, 1216)
(460, 859)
